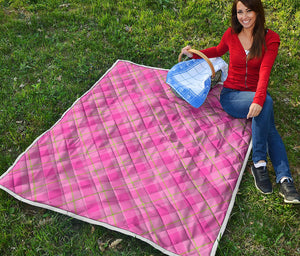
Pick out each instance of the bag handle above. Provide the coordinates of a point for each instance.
(204, 57)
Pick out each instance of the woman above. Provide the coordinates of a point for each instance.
(253, 50)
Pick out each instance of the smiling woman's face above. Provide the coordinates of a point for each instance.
(245, 16)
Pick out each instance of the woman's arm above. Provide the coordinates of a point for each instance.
(270, 55)
(265, 71)
(211, 52)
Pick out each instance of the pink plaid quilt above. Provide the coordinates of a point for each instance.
(131, 156)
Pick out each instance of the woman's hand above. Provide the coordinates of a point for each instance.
(185, 51)
(254, 110)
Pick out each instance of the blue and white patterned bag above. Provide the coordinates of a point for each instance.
(192, 79)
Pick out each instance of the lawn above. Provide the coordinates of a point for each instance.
(53, 51)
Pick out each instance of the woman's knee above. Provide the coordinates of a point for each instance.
(267, 111)
(268, 105)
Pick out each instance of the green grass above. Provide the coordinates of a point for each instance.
(53, 51)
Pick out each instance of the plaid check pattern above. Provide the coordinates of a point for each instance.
(132, 156)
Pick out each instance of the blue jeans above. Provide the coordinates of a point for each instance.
(265, 137)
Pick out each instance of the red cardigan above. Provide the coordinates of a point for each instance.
(252, 75)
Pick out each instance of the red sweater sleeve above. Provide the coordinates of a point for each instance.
(272, 43)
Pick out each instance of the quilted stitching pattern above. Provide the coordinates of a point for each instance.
(132, 156)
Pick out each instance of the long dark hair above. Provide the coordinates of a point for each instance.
(259, 27)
